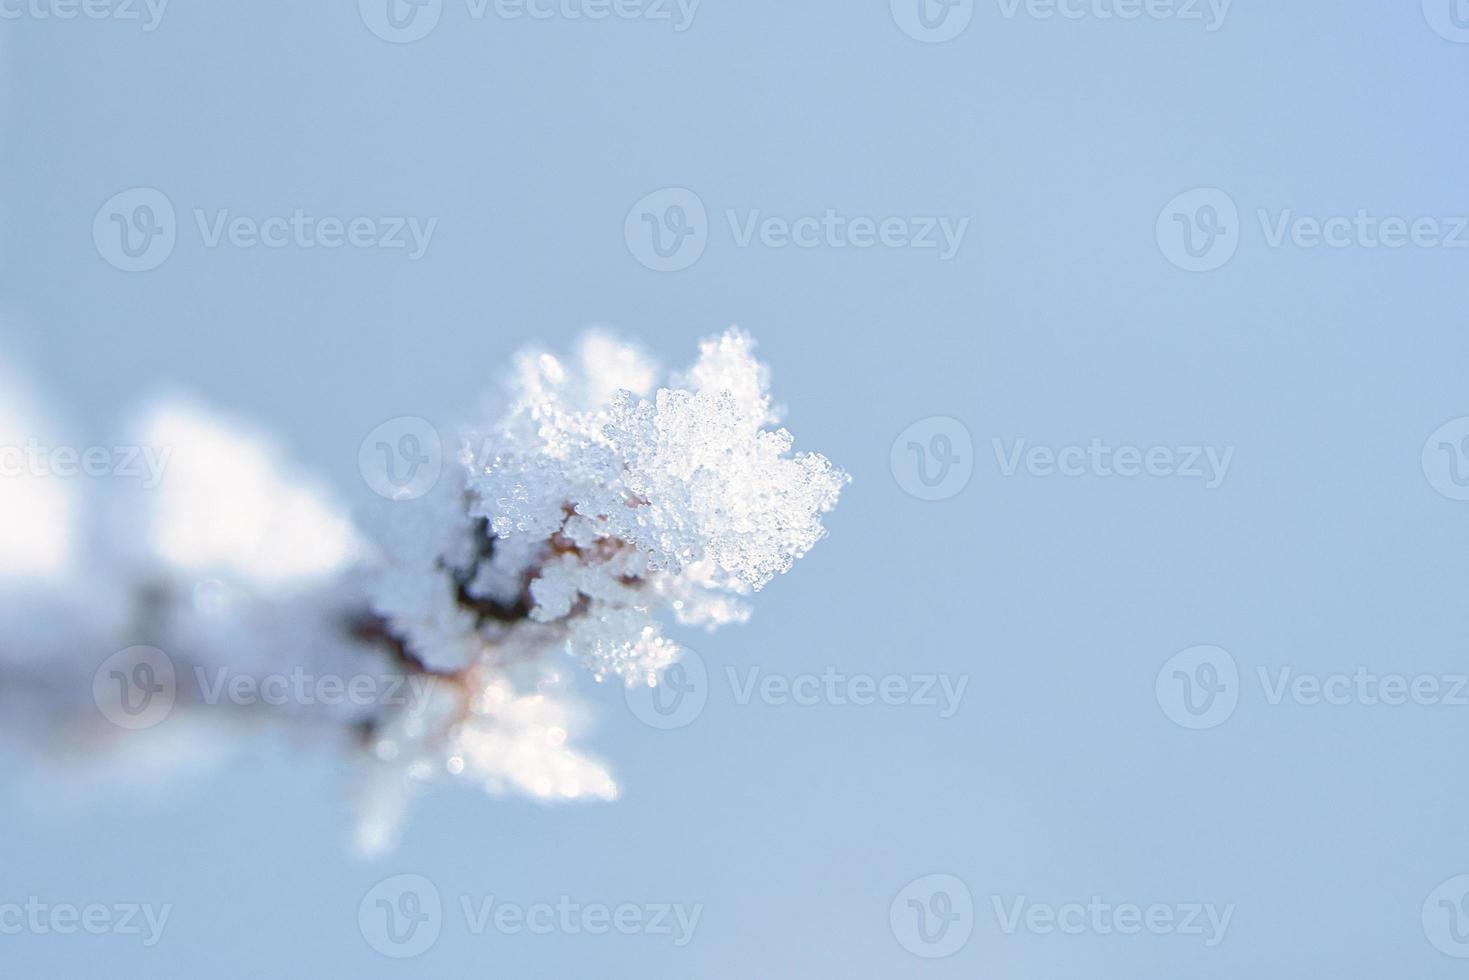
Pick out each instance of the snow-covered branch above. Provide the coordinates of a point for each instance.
(596, 508)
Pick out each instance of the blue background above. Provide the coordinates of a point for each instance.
(1061, 319)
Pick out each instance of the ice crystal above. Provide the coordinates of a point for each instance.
(613, 508)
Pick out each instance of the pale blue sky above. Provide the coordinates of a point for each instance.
(1059, 319)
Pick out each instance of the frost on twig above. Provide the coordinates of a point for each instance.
(597, 507)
